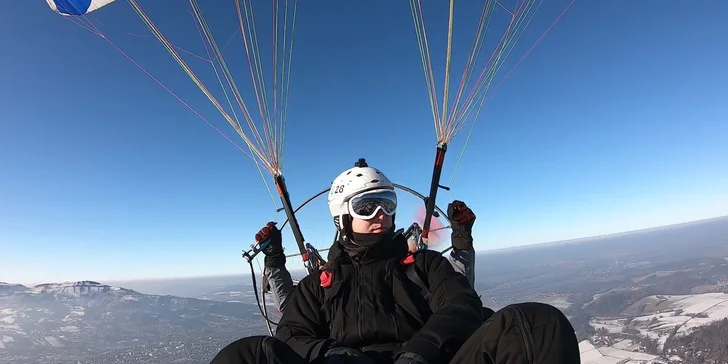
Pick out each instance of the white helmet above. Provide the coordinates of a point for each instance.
(351, 183)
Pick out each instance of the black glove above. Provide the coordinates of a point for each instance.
(409, 358)
(462, 219)
(344, 355)
(274, 250)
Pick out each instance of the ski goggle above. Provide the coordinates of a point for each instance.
(366, 205)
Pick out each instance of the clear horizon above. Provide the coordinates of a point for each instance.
(301, 269)
(615, 122)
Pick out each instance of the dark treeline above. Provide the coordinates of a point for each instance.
(707, 344)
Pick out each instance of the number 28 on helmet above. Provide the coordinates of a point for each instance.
(361, 192)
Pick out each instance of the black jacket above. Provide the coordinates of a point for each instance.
(371, 305)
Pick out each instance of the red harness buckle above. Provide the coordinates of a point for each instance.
(326, 279)
(409, 259)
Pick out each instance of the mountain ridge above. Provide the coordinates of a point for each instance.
(68, 322)
(604, 236)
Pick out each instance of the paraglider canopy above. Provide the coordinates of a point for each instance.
(77, 7)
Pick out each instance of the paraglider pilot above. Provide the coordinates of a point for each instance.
(279, 282)
(364, 307)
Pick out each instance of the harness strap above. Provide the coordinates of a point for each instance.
(414, 275)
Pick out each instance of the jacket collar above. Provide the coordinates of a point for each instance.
(395, 247)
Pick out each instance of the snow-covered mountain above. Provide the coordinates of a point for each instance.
(7, 288)
(88, 321)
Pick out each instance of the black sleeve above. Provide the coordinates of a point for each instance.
(302, 325)
(456, 308)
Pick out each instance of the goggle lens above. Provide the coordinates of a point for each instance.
(366, 205)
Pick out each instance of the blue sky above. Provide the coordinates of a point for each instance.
(615, 122)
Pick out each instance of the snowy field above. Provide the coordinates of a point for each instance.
(663, 314)
(659, 317)
(614, 355)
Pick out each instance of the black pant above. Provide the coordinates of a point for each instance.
(523, 333)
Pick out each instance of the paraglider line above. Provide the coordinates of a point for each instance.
(480, 91)
(474, 54)
(256, 73)
(448, 60)
(267, 152)
(451, 124)
(260, 148)
(258, 299)
(551, 26)
(488, 67)
(177, 47)
(84, 26)
(275, 75)
(94, 30)
(424, 48)
(257, 151)
(177, 97)
(532, 47)
(483, 82)
(235, 115)
(265, 307)
(231, 38)
(504, 7)
(287, 87)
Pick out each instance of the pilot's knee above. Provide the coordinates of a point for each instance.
(538, 313)
(241, 351)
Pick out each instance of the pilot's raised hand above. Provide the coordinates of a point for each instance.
(271, 237)
(462, 219)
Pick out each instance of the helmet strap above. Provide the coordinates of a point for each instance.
(343, 225)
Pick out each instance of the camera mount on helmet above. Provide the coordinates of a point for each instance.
(362, 162)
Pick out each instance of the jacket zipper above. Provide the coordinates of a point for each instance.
(395, 324)
(526, 333)
(359, 309)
